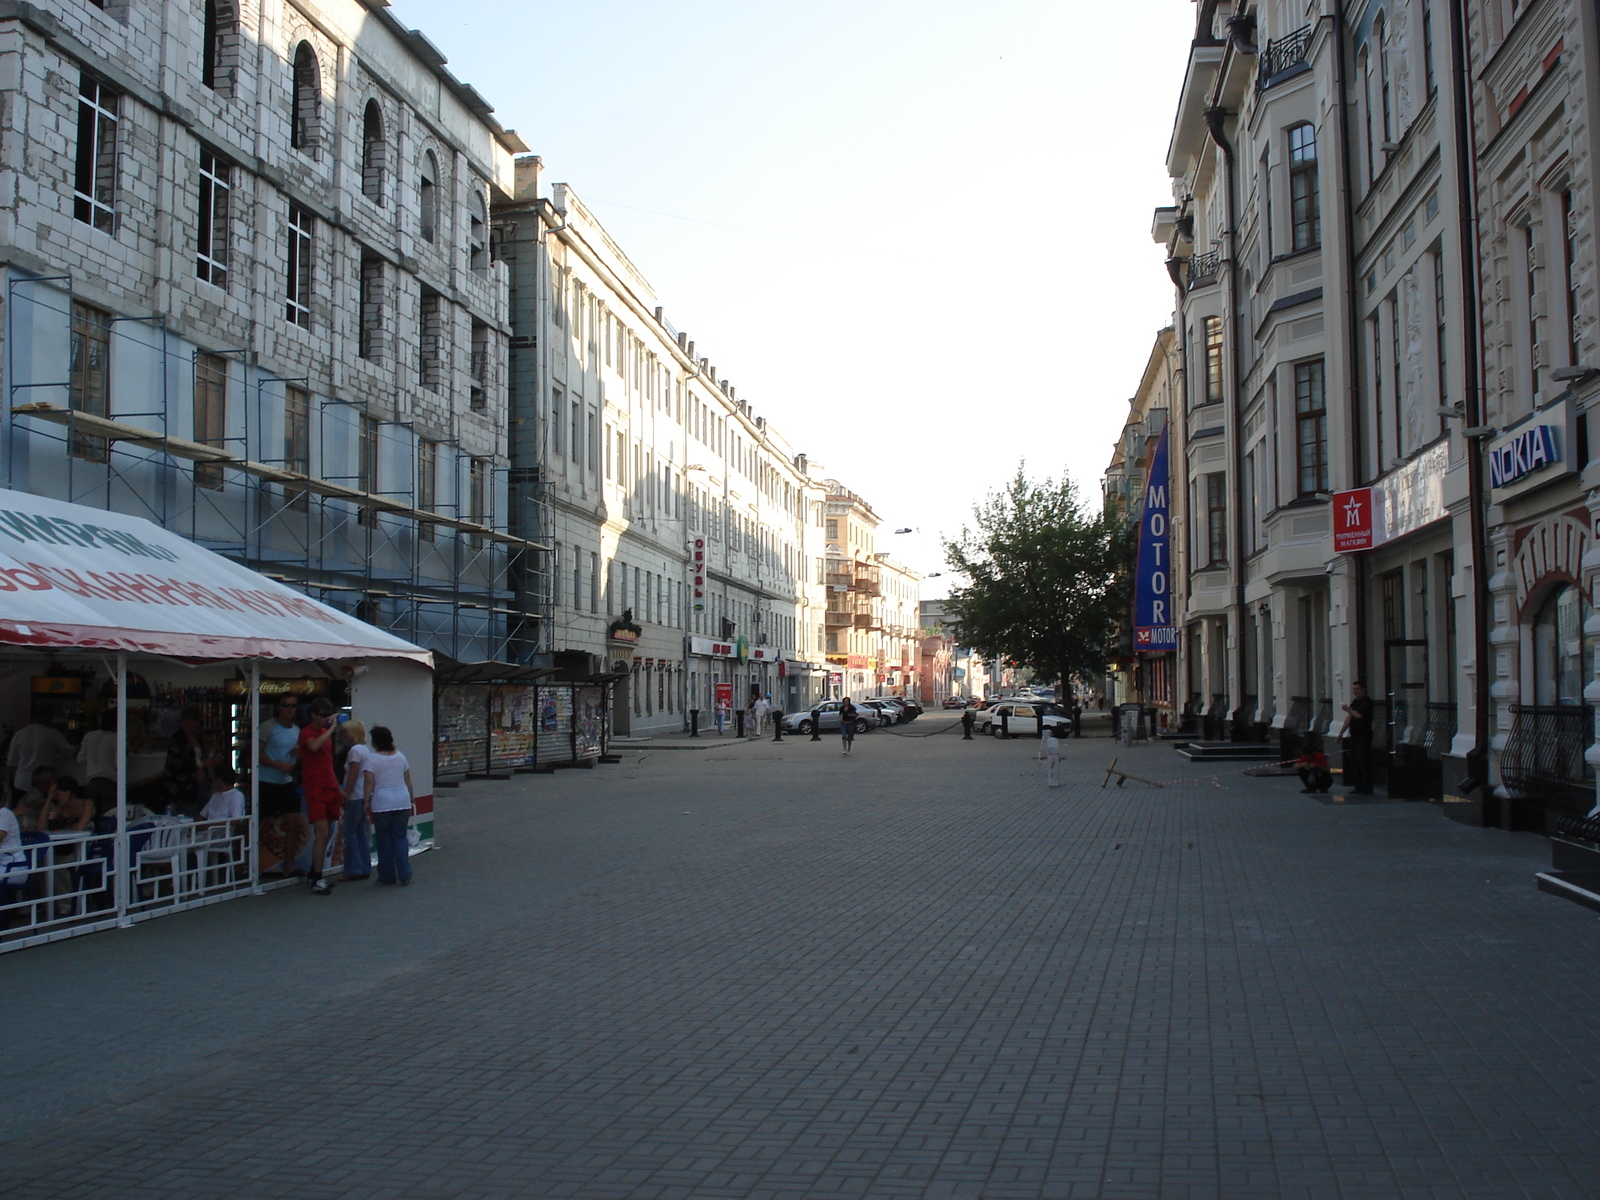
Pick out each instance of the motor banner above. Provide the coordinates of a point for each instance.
(1153, 627)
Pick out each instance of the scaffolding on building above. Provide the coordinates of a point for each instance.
(335, 534)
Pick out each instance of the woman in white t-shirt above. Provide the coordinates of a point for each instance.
(357, 841)
(390, 801)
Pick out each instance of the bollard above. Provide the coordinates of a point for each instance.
(777, 727)
(1005, 726)
(694, 722)
(816, 726)
(967, 721)
(738, 723)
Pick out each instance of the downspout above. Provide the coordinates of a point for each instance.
(1471, 266)
(1347, 206)
(1214, 118)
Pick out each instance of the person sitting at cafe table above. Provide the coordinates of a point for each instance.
(190, 757)
(33, 746)
(67, 807)
(30, 807)
(227, 801)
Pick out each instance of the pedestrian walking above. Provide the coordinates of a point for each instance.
(1356, 733)
(847, 726)
(1050, 752)
(758, 716)
(390, 802)
(324, 797)
(357, 842)
(722, 716)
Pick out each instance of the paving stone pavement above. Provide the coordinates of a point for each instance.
(777, 972)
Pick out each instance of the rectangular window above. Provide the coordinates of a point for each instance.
(577, 579)
(594, 582)
(478, 493)
(211, 225)
(1216, 519)
(94, 200)
(1376, 341)
(90, 388)
(430, 353)
(558, 407)
(297, 283)
(1213, 352)
(1569, 250)
(1266, 206)
(1304, 206)
(210, 414)
(1311, 427)
(594, 442)
(370, 343)
(1427, 46)
(1441, 332)
(1531, 252)
(296, 441)
(479, 397)
(577, 432)
(367, 461)
(427, 485)
(833, 530)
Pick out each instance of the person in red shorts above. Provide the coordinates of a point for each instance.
(324, 796)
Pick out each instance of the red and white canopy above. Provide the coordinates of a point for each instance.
(83, 577)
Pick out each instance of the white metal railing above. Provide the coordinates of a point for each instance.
(69, 880)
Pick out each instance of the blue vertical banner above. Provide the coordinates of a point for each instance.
(1154, 625)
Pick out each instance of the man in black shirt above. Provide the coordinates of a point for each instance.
(1357, 735)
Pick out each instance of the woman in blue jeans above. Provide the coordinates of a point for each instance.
(390, 800)
(357, 843)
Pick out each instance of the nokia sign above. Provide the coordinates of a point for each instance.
(1532, 449)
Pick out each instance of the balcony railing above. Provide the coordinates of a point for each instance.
(1543, 758)
(1203, 268)
(1282, 54)
(1440, 730)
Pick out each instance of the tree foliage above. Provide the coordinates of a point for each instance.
(1047, 580)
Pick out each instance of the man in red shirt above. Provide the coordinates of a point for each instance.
(324, 797)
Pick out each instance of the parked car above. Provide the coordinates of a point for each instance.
(1022, 720)
(906, 708)
(827, 719)
(888, 714)
(955, 702)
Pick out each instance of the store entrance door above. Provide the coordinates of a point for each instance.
(1405, 689)
(621, 710)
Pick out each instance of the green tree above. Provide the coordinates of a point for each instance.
(1047, 579)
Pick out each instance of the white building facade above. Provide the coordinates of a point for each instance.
(250, 294)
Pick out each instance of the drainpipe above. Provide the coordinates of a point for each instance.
(1352, 340)
(1214, 118)
(1471, 266)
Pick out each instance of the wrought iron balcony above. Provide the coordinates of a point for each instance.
(1440, 730)
(1281, 55)
(1543, 758)
(1203, 268)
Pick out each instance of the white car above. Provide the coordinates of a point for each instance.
(1022, 720)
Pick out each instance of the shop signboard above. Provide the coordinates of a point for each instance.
(1352, 520)
(697, 560)
(1534, 452)
(1407, 499)
(1153, 626)
(725, 694)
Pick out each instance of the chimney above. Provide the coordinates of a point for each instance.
(525, 183)
(683, 341)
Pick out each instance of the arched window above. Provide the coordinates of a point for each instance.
(428, 197)
(478, 233)
(374, 153)
(216, 45)
(305, 131)
(1560, 647)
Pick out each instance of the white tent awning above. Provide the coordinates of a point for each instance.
(73, 576)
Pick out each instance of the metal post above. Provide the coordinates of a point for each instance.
(694, 722)
(122, 869)
(254, 759)
(816, 726)
(777, 727)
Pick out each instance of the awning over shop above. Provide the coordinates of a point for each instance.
(77, 576)
(448, 670)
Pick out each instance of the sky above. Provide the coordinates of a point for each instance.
(914, 234)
